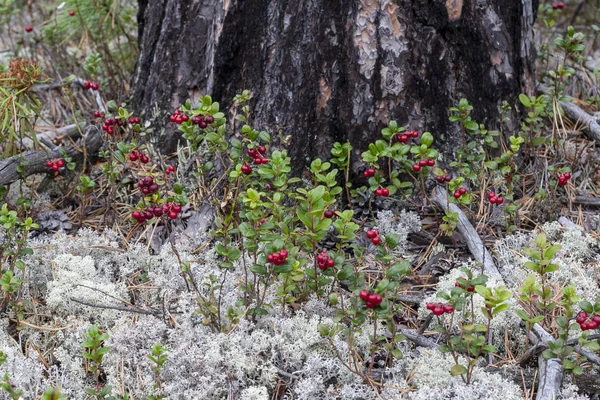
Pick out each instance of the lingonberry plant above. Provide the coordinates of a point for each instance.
(94, 351)
(158, 355)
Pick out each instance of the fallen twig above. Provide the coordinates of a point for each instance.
(119, 308)
(419, 339)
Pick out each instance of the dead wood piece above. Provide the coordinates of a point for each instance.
(34, 162)
(419, 339)
(474, 243)
(587, 201)
(119, 308)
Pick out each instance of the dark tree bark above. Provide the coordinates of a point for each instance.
(335, 70)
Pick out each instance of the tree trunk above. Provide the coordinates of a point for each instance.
(334, 70)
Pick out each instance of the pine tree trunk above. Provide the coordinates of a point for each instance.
(336, 70)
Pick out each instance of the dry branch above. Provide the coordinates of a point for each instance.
(34, 162)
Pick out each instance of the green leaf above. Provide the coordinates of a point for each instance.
(458, 370)
(525, 100)
(427, 139)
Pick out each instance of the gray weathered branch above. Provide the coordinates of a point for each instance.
(34, 162)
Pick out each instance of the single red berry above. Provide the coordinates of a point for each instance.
(592, 324)
(246, 169)
(596, 319)
(136, 215)
(157, 211)
(270, 258)
(416, 167)
(462, 191)
(330, 262)
(265, 160)
(471, 289)
(559, 5)
(209, 119)
(364, 294)
(567, 175)
(431, 162)
(177, 208)
(49, 164)
(371, 171)
(448, 178)
(456, 194)
(55, 167)
(491, 194)
(185, 118)
(60, 163)
(385, 192)
(28, 28)
(440, 179)
(144, 159)
(178, 119)
(145, 190)
(376, 240)
(172, 215)
(173, 118)
(378, 192)
(284, 253)
(430, 306)
(493, 200)
(438, 310)
(261, 149)
(196, 120)
(448, 309)
(366, 174)
(71, 13)
(370, 305)
(423, 163)
(403, 138)
(499, 200)
(202, 124)
(415, 134)
(328, 214)
(257, 161)
(153, 188)
(94, 86)
(371, 234)
(456, 284)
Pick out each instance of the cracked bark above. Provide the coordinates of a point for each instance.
(326, 71)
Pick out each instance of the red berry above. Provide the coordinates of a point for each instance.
(431, 162)
(402, 138)
(153, 188)
(246, 169)
(284, 253)
(330, 262)
(448, 178)
(145, 190)
(270, 258)
(493, 200)
(157, 211)
(439, 179)
(592, 324)
(430, 306)
(448, 309)
(94, 86)
(416, 167)
(60, 163)
(148, 180)
(559, 5)
(364, 294)
(196, 120)
(173, 118)
(371, 171)
(28, 28)
(491, 195)
(261, 149)
(499, 200)
(596, 319)
(376, 240)
(202, 124)
(438, 310)
(328, 214)
(136, 215)
(567, 175)
(366, 174)
(371, 234)
(378, 192)
(385, 192)
(49, 164)
(415, 134)
(54, 167)
(110, 130)
(185, 118)
(179, 119)
(133, 157)
(456, 194)
(265, 160)
(144, 158)
(172, 215)
(209, 119)
(71, 13)
(462, 190)
(176, 208)
(423, 163)
(257, 161)
(471, 289)
(370, 305)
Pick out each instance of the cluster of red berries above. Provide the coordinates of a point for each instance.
(467, 288)
(460, 192)
(278, 258)
(371, 300)
(564, 179)
(178, 117)
(430, 162)
(138, 155)
(98, 114)
(55, 164)
(559, 5)
(385, 192)
(170, 169)
(147, 214)
(369, 172)
(109, 125)
(257, 155)
(443, 179)
(324, 261)
(373, 234)
(587, 322)
(495, 199)
(203, 121)
(439, 308)
(147, 185)
(91, 85)
(134, 120)
(405, 137)
(172, 210)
